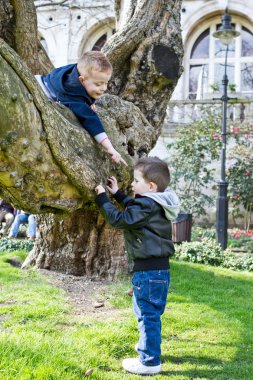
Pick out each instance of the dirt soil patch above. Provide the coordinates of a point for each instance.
(88, 298)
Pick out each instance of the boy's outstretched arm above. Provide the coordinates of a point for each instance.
(115, 156)
(92, 124)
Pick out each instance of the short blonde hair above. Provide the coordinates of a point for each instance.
(93, 60)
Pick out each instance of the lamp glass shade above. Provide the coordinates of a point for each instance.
(226, 36)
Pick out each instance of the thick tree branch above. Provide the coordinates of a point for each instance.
(26, 33)
(146, 54)
(18, 27)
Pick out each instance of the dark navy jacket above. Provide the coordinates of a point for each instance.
(65, 87)
(147, 231)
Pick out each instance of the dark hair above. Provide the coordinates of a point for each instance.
(154, 170)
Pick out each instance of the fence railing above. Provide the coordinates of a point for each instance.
(180, 112)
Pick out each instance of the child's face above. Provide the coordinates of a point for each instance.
(95, 82)
(140, 185)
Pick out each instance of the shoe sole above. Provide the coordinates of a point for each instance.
(145, 370)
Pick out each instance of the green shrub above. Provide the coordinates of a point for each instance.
(199, 233)
(190, 157)
(236, 262)
(207, 251)
(202, 252)
(10, 245)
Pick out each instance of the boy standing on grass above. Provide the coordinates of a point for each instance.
(146, 222)
(77, 86)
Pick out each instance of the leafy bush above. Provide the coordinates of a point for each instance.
(208, 252)
(191, 157)
(202, 252)
(11, 245)
(240, 172)
(199, 233)
(236, 262)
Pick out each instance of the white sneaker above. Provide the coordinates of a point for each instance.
(134, 365)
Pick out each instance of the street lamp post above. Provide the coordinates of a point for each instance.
(225, 34)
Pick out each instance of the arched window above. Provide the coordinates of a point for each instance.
(97, 36)
(207, 59)
(44, 43)
(100, 42)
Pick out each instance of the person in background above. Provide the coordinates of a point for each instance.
(6, 216)
(20, 218)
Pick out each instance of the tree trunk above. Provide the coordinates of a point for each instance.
(79, 244)
(48, 163)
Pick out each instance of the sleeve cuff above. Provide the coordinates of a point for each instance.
(101, 199)
(119, 196)
(100, 137)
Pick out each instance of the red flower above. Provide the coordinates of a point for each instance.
(247, 173)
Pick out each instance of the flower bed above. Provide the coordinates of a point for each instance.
(241, 239)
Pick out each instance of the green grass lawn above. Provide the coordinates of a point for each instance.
(207, 328)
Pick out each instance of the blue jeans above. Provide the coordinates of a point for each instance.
(150, 289)
(23, 218)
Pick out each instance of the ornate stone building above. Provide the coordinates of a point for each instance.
(74, 26)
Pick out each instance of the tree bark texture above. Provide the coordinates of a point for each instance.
(146, 54)
(18, 27)
(7, 22)
(49, 164)
(79, 244)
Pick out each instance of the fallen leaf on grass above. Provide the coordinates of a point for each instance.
(88, 372)
(98, 304)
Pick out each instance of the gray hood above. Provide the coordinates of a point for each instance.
(168, 200)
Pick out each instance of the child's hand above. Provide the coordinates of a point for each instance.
(93, 107)
(116, 157)
(112, 185)
(99, 189)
